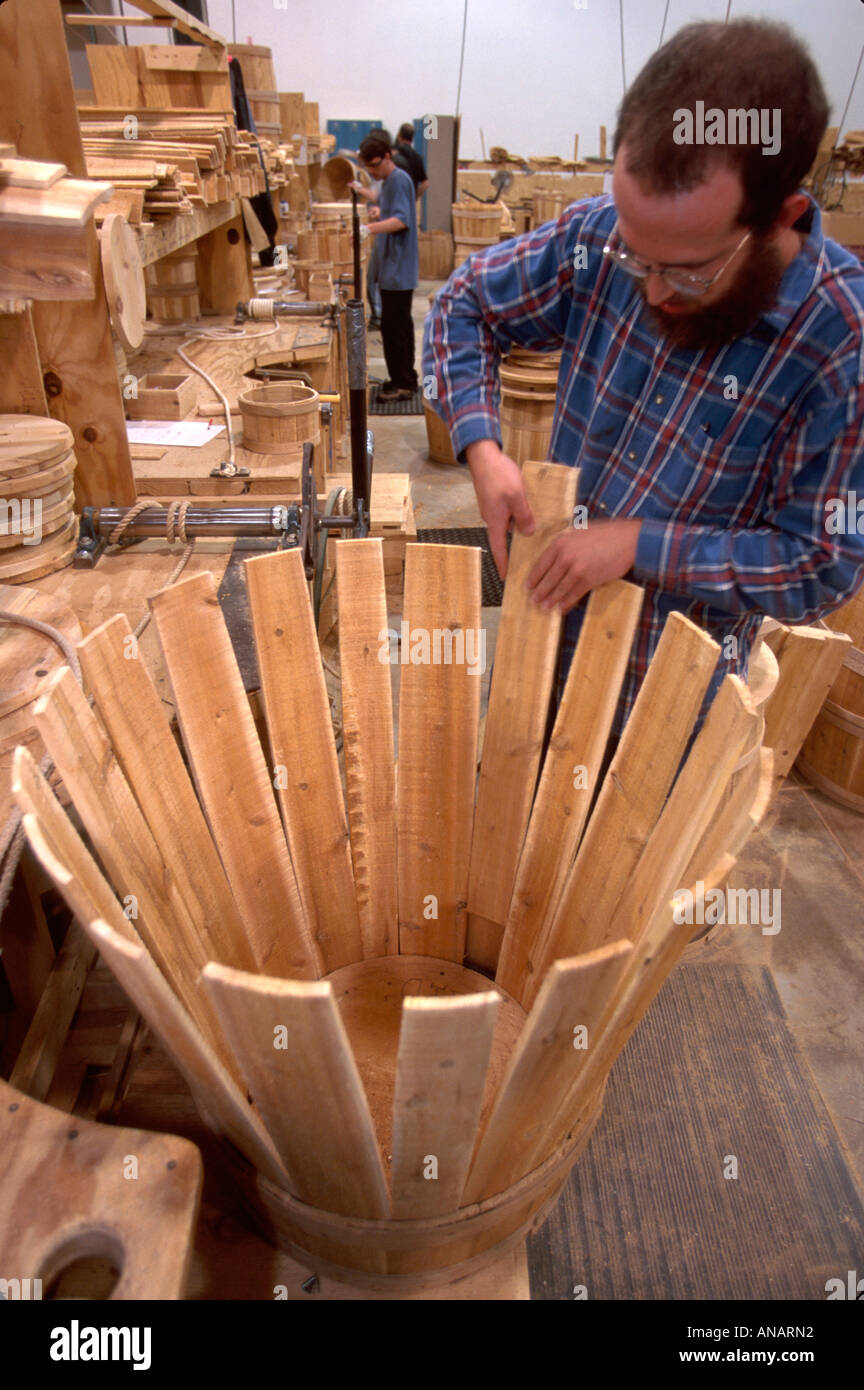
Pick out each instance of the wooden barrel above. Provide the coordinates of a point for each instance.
(278, 418)
(832, 757)
(172, 287)
(529, 386)
(548, 204)
(438, 437)
(259, 80)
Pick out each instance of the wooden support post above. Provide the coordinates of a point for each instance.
(22, 391)
(38, 115)
(224, 268)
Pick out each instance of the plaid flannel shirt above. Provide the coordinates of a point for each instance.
(728, 457)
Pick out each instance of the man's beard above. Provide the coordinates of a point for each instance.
(752, 293)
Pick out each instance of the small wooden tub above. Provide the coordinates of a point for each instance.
(172, 287)
(278, 418)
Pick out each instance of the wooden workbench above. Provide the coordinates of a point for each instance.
(310, 345)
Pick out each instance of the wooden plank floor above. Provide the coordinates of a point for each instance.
(647, 1214)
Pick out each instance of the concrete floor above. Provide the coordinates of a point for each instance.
(809, 847)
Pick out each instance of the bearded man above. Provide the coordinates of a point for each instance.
(711, 389)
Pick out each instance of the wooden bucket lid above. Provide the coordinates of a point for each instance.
(29, 440)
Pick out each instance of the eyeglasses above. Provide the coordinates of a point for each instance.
(373, 163)
(678, 278)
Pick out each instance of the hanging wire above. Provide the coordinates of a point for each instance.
(621, 33)
(838, 137)
(663, 25)
(462, 56)
(728, 8)
(233, 23)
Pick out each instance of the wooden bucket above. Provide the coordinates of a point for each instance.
(476, 222)
(529, 386)
(278, 418)
(438, 437)
(832, 757)
(172, 287)
(548, 204)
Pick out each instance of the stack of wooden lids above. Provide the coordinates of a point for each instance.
(28, 661)
(38, 532)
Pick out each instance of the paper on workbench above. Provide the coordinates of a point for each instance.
(191, 434)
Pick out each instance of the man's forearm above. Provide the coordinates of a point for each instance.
(791, 577)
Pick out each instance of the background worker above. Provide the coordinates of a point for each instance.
(393, 225)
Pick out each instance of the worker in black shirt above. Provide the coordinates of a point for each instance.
(412, 161)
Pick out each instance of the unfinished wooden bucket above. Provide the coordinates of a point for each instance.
(476, 222)
(172, 287)
(319, 962)
(832, 757)
(278, 418)
(529, 389)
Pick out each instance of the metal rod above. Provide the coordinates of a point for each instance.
(356, 346)
(355, 232)
(199, 521)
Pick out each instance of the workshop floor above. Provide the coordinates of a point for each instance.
(809, 847)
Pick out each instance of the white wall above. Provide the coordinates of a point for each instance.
(535, 73)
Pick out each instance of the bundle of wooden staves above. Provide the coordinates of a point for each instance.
(163, 162)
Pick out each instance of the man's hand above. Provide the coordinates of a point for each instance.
(581, 559)
(374, 213)
(500, 496)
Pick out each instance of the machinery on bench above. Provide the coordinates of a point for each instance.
(290, 525)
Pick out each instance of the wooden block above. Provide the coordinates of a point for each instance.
(145, 1227)
(30, 173)
(444, 1050)
(231, 775)
(134, 718)
(570, 772)
(162, 396)
(290, 1040)
(528, 639)
(633, 793)
(369, 750)
(439, 707)
(306, 769)
(550, 1050)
